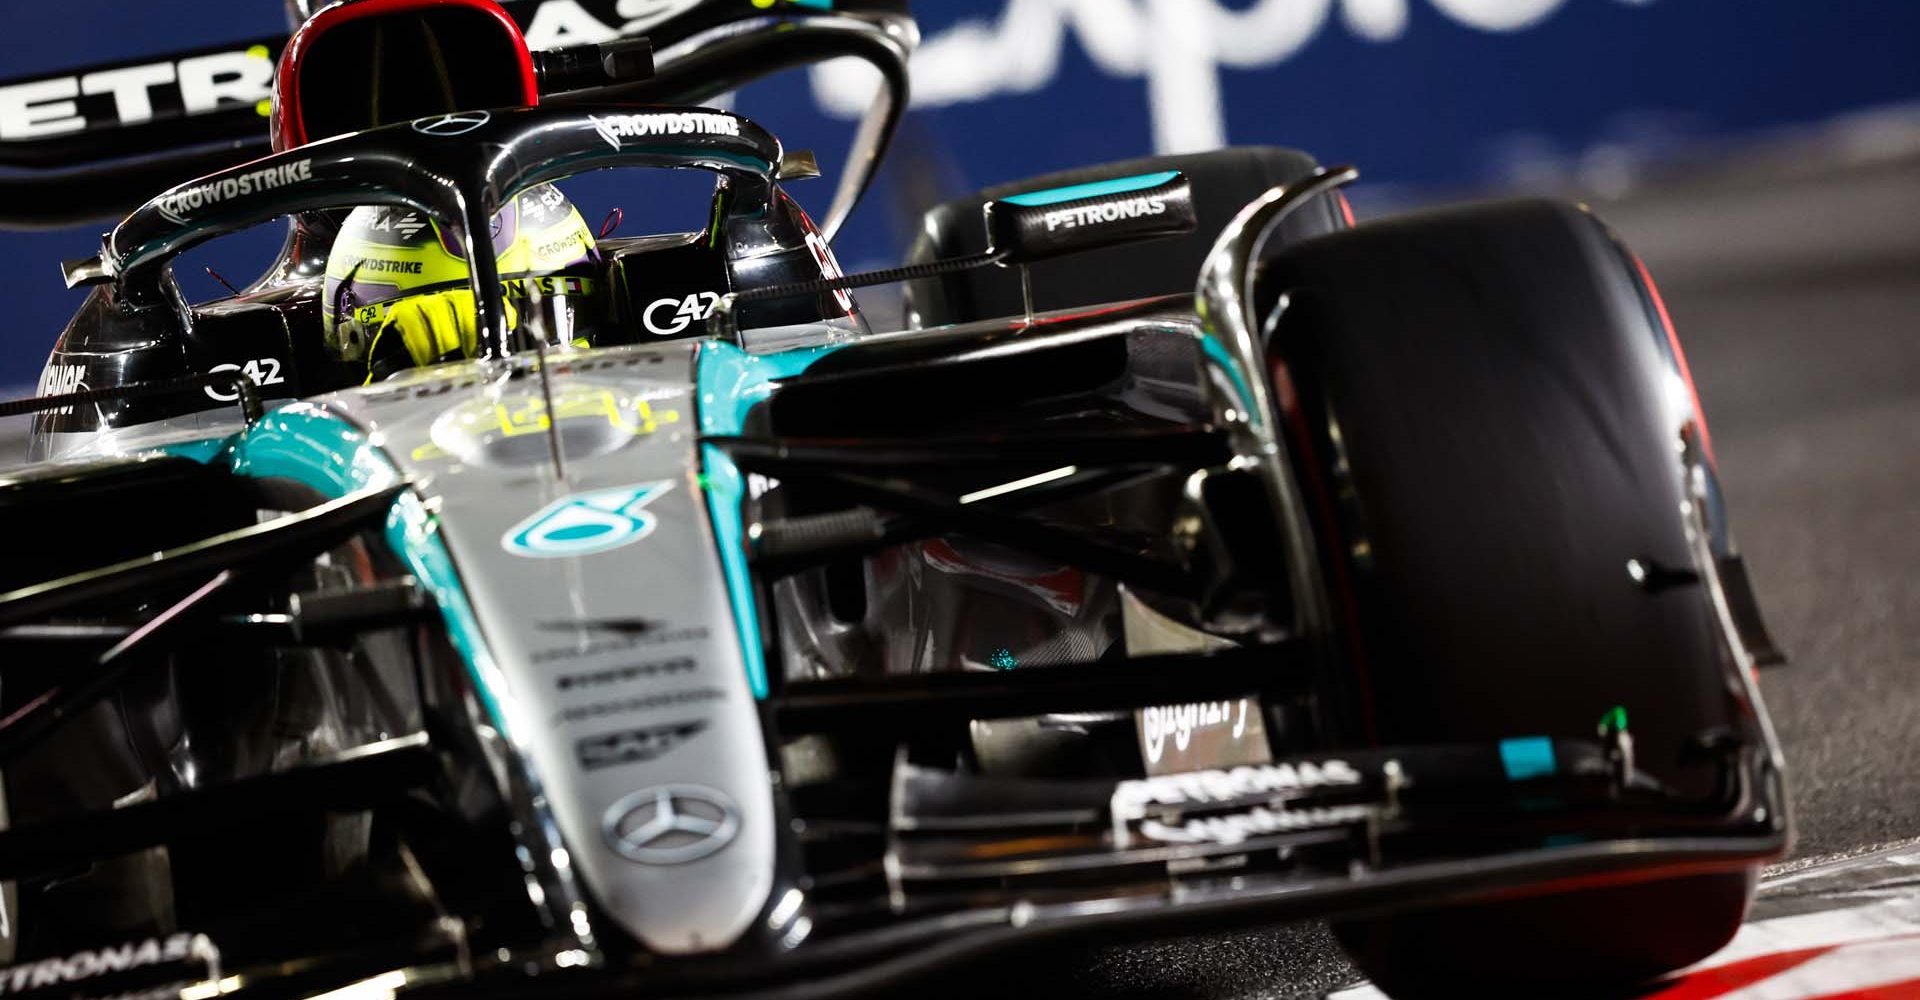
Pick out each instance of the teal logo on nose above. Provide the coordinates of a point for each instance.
(584, 524)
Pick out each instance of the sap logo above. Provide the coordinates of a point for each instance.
(37, 109)
(59, 380)
(1112, 211)
(586, 523)
(555, 23)
(1178, 46)
(684, 313)
(263, 371)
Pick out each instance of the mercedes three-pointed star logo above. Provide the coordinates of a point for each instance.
(670, 824)
(459, 123)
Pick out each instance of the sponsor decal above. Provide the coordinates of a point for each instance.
(1214, 734)
(622, 675)
(614, 128)
(543, 205)
(1179, 722)
(263, 372)
(405, 221)
(375, 265)
(1133, 798)
(447, 126)
(1260, 821)
(588, 523)
(622, 643)
(196, 85)
(679, 313)
(1111, 211)
(569, 242)
(642, 704)
(830, 268)
(466, 428)
(378, 223)
(59, 380)
(1179, 49)
(548, 284)
(555, 23)
(633, 746)
(83, 965)
(670, 824)
(177, 205)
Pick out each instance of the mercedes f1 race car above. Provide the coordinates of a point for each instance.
(1193, 558)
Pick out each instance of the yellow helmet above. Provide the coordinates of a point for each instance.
(396, 294)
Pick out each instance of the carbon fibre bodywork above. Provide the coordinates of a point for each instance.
(792, 658)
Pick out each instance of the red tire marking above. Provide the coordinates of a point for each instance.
(1909, 990)
(1679, 358)
(1724, 979)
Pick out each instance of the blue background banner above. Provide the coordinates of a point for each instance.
(1422, 94)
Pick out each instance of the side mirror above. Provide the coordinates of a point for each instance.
(84, 271)
(798, 165)
(1037, 225)
(589, 66)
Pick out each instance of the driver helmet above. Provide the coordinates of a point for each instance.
(397, 296)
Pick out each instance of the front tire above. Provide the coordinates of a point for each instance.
(1482, 409)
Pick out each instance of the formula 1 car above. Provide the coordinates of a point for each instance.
(1196, 558)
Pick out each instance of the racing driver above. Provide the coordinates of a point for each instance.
(396, 295)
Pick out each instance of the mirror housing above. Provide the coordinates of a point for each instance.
(1037, 225)
(798, 165)
(82, 272)
(584, 67)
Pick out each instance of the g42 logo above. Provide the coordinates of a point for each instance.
(263, 371)
(667, 317)
(586, 523)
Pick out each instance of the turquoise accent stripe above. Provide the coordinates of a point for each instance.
(1213, 348)
(1527, 757)
(1119, 185)
(311, 446)
(204, 452)
(729, 382)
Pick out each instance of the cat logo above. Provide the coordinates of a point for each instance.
(685, 312)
